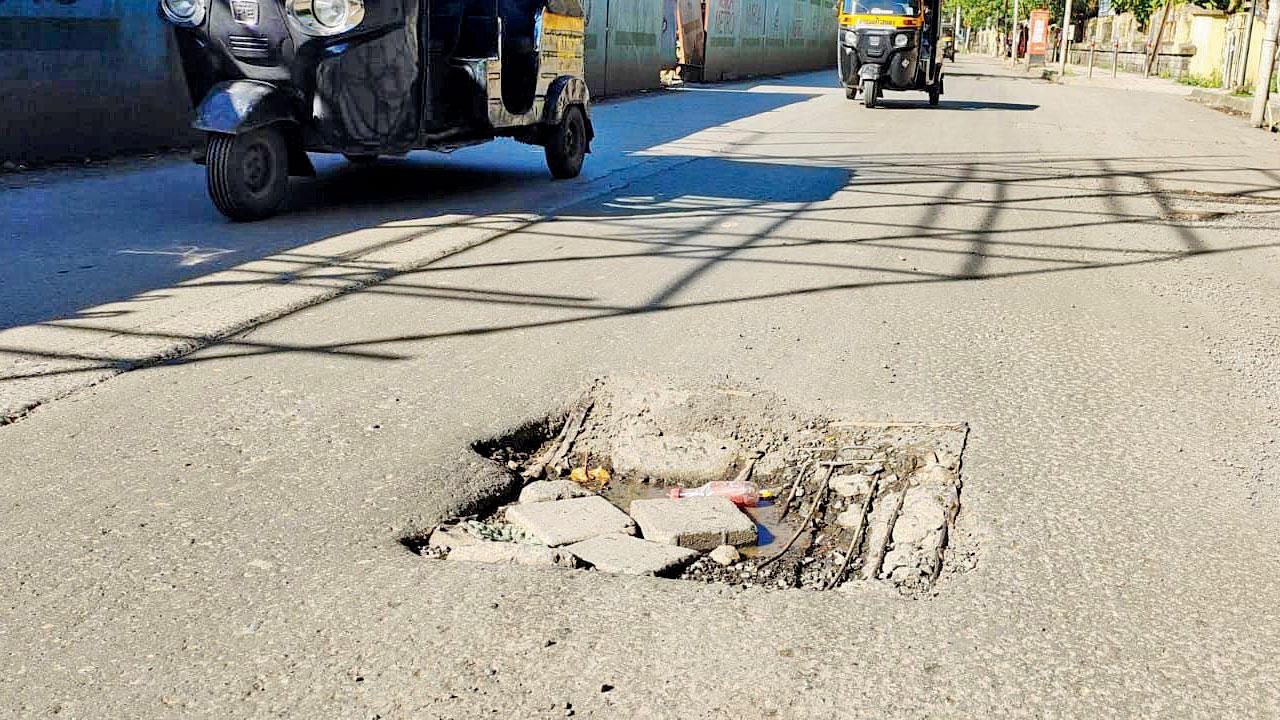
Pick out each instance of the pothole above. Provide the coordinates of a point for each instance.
(1194, 206)
(723, 485)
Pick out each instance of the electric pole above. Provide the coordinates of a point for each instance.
(1013, 47)
(1066, 35)
(1268, 66)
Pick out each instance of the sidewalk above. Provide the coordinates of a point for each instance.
(1234, 104)
(1079, 75)
(1220, 100)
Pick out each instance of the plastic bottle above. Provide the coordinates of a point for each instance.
(741, 492)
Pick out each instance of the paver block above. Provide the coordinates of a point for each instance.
(505, 553)
(632, 556)
(699, 523)
(561, 522)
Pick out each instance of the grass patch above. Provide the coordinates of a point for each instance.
(1212, 80)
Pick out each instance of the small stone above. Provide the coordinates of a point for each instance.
(698, 523)
(726, 555)
(851, 485)
(850, 519)
(505, 553)
(534, 472)
(513, 465)
(450, 538)
(548, 490)
(562, 522)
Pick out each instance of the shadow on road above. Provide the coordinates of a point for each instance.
(77, 244)
(784, 216)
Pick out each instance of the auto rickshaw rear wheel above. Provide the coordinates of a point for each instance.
(248, 174)
(869, 93)
(567, 145)
(850, 92)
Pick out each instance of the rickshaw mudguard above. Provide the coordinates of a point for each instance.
(233, 107)
(563, 93)
(237, 106)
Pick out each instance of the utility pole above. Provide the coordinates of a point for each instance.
(1248, 44)
(1154, 58)
(1268, 66)
(1013, 46)
(1066, 36)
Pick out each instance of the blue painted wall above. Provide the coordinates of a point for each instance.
(83, 78)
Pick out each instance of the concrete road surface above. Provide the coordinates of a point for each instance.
(222, 431)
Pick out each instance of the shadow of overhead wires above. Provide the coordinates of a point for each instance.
(984, 216)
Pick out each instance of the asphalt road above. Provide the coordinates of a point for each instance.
(216, 535)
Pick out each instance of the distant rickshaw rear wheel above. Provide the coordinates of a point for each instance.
(567, 145)
(248, 174)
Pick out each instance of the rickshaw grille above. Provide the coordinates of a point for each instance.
(246, 47)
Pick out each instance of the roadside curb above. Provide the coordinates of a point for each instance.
(1233, 104)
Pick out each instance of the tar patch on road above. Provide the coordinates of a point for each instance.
(721, 485)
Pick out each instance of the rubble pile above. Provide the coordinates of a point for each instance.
(785, 502)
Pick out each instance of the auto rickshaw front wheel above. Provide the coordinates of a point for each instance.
(567, 145)
(869, 91)
(248, 173)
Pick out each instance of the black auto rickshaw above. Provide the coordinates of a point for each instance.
(274, 79)
(889, 44)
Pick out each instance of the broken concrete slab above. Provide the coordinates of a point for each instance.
(505, 553)
(561, 522)
(920, 533)
(629, 555)
(549, 490)
(690, 459)
(698, 523)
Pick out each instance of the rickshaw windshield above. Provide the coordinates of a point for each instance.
(901, 8)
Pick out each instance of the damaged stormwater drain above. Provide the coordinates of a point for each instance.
(842, 502)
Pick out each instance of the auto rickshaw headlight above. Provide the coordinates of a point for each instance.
(900, 40)
(184, 12)
(327, 17)
(851, 38)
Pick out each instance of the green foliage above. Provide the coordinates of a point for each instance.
(978, 13)
(1212, 80)
(1141, 9)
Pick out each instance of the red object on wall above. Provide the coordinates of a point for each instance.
(1038, 43)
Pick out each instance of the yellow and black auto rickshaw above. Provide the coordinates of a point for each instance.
(274, 79)
(948, 42)
(889, 45)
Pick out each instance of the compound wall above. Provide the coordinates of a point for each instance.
(752, 37)
(87, 77)
(83, 78)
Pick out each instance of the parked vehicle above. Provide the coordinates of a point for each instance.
(889, 44)
(948, 42)
(275, 79)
